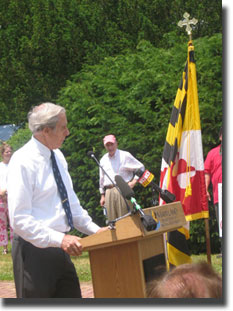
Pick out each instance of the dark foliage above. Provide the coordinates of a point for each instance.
(115, 65)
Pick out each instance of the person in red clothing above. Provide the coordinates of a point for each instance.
(213, 173)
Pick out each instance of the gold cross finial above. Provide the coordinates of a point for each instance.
(187, 22)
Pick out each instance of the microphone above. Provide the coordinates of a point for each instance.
(90, 154)
(148, 221)
(146, 178)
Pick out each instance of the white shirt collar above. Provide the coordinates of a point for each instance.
(115, 154)
(42, 149)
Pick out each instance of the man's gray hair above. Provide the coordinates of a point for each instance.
(44, 115)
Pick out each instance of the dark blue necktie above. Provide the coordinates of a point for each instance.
(62, 190)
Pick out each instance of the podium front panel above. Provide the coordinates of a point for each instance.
(117, 272)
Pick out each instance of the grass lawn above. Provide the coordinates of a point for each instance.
(82, 265)
(215, 261)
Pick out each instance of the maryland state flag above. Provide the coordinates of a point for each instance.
(182, 169)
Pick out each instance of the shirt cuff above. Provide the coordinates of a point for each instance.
(102, 191)
(91, 228)
(56, 238)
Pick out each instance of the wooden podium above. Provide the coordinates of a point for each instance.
(116, 256)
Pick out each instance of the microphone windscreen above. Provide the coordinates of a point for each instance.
(139, 172)
(90, 153)
(126, 191)
(167, 196)
(148, 222)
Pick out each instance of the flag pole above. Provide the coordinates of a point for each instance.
(207, 236)
(187, 22)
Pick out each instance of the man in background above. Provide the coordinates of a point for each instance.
(116, 162)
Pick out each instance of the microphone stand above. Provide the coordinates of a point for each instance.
(113, 222)
(154, 201)
(92, 155)
(146, 219)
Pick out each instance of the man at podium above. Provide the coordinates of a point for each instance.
(43, 208)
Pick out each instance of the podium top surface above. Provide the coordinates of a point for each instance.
(169, 217)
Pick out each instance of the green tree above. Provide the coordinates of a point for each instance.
(132, 96)
(124, 61)
(21, 137)
(45, 42)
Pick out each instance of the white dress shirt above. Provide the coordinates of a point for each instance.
(121, 163)
(35, 208)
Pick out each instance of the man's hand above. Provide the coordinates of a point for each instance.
(71, 245)
(208, 195)
(102, 229)
(132, 183)
(102, 200)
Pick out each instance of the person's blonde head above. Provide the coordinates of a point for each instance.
(196, 280)
(4, 147)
